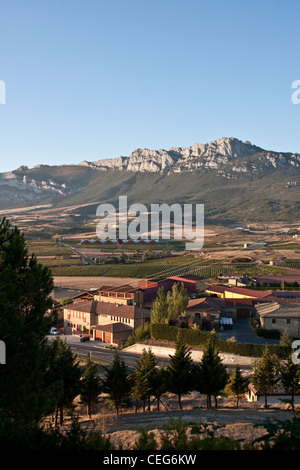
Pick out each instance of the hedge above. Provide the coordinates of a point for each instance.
(198, 339)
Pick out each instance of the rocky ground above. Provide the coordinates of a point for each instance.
(237, 423)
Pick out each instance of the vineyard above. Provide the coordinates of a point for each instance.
(151, 271)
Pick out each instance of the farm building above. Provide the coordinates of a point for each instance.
(278, 316)
(90, 317)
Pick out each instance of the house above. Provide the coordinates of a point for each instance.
(59, 309)
(239, 293)
(191, 283)
(91, 317)
(84, 296)
(150, 288)
(205, 312)
(279, 316)
(255, 245)
(289, 277)
(211, 312)
(124, 294)
(234, 280)
(277, 396)
(287, 296)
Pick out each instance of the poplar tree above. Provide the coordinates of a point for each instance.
(159, 311)
(177, 301)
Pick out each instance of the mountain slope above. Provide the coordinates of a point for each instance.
(237, 181)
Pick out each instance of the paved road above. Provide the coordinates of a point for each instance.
(100, 352)
(243, 333)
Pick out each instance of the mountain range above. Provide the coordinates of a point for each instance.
(237, 181)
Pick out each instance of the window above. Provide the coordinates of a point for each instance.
(288, 320)
(273, 320)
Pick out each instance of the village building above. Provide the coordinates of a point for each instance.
(281, 317)
(124, 294)
(277, 396)
(97, 317)
(192, 284)
(212, 312)
(239, 293)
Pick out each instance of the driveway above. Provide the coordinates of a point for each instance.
(243, 333)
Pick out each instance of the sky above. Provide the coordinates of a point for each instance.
(92, 79)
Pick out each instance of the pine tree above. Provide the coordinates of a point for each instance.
(180, 371)
(158, 384)
(117, 383)
(142, 376)
(65, 371)
(211, 375)
(238, 384)
(265, 373)
(25, 288)
(90, 385)
(290, 378)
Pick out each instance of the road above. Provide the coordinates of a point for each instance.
(100, 352)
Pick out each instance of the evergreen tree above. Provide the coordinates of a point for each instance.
(65, 371)
(25, 288)
(238, 384)
(285, 340)
(211, 375)
(180, 371)
(117, 383)
(265, 373)
(290, 378)
(158, 384)
(159, 311)
(90, 385)
(142, 376)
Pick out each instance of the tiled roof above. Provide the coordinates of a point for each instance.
(240, 291)
(114, 327)
(206, 303)
(110, 308)
(123, 288)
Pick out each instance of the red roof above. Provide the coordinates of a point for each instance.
(241, 291)
(109, 309)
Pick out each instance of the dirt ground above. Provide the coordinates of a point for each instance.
(236, 423)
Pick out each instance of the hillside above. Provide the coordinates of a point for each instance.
(237, 181)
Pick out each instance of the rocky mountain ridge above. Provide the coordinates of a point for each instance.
(223, 154)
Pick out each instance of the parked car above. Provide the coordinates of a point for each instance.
(84, 338)
(54, 331)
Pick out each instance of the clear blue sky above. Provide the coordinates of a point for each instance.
(91, 79)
